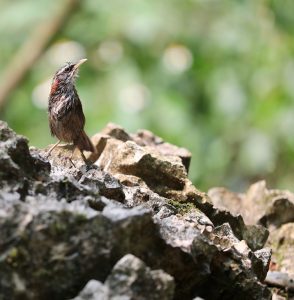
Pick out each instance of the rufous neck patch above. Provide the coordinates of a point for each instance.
(54, 86)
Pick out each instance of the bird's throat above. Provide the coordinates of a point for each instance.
(61, 87)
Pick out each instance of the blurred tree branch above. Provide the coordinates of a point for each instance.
(31, 50)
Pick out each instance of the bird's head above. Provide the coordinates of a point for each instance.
(67, 74)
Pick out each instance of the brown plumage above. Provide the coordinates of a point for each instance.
(66, 117)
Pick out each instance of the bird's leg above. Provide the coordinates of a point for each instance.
(70, 158)
(86, 161)
(51, 149)
(83, 156)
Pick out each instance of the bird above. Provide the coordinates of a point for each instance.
(65, 111)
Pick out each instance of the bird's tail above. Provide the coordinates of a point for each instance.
(84, 143)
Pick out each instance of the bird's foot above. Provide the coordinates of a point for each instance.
(47, 155)
(64, 160)
(72, 162)
(86, 161)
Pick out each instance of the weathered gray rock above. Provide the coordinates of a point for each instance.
(63, 244)
(281, 240)
(280, 279)
(94, 290)
(258, 206)
(147, 138)
(264, 256)
(254, 235)
(103, 183)
(181, 230)
(156, 171)
(17, 167)
(145, 158)
(229, 263)
(130, 279)
(273, 209)
(62, 226)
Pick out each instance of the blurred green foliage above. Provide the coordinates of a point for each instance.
(213, 76)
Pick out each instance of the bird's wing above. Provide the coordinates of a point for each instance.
(62, 107)
(80, 113)
(79, 110)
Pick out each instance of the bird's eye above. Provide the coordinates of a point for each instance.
(68, 68)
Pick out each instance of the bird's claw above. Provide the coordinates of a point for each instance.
(65, 159)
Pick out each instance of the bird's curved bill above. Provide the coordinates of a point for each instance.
(79, 63)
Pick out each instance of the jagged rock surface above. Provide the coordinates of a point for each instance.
(258, 205)
(274, 209)
(63, 226)
(130, 279)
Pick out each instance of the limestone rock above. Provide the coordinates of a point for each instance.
(258, 206)
(130, 279)
(63, 225)
(147, 138)
(94, 290)
(281, 240)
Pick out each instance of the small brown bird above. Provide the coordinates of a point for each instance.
(66, 117)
